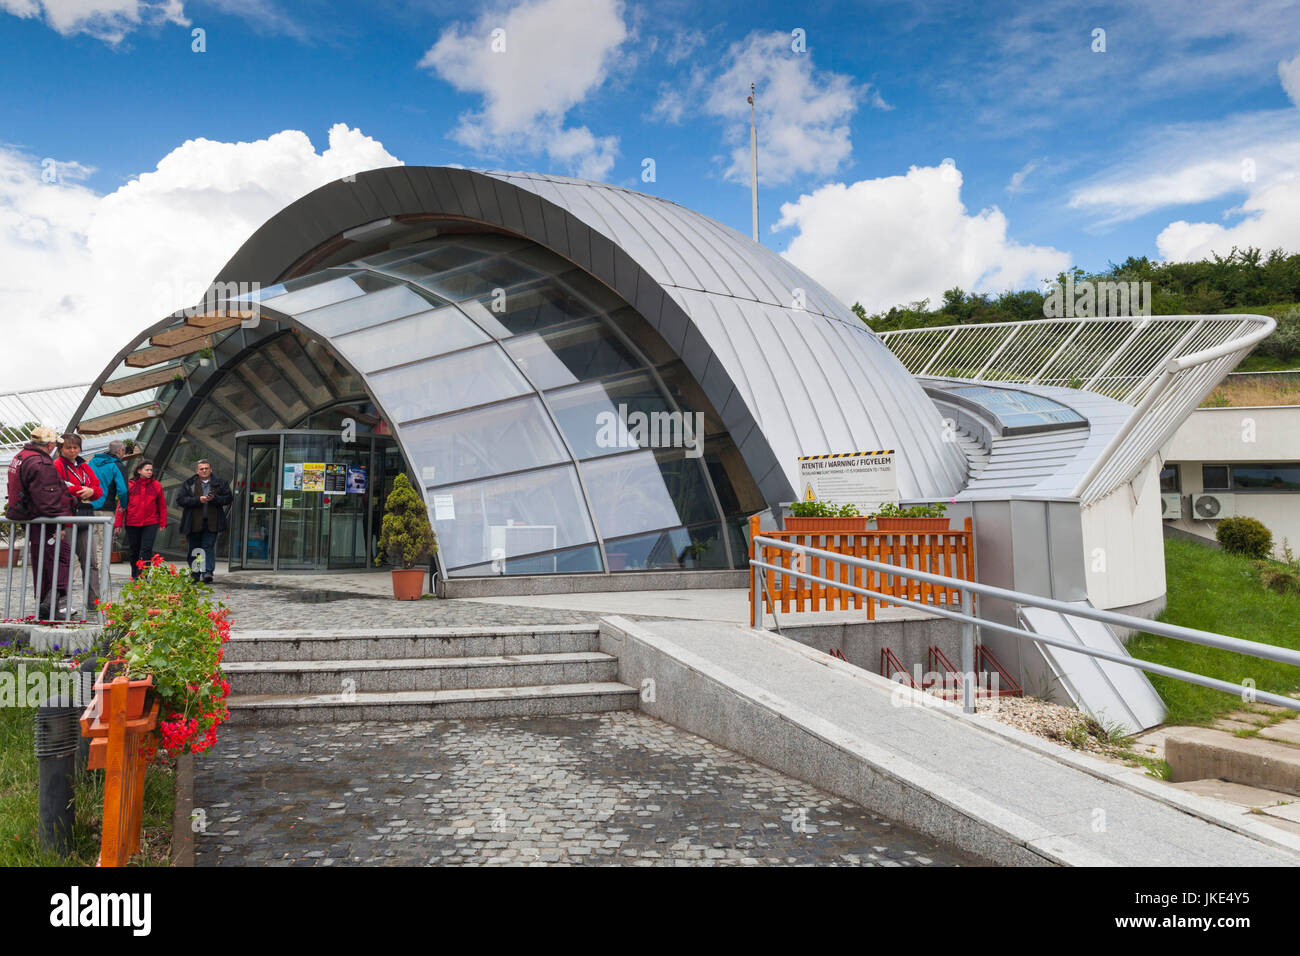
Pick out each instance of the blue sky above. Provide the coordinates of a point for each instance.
(904, 149)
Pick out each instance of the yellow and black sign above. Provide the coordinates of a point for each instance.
(863, 478)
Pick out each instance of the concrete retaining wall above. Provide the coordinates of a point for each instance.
(511, 585)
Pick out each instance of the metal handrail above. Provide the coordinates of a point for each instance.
(1164, 365)
(75, 522)
(971, 589)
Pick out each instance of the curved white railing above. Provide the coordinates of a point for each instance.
(1163, 365)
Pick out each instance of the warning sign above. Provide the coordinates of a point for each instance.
(864, 478)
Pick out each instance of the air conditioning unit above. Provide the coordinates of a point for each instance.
(1171, 507)
(1212, 507)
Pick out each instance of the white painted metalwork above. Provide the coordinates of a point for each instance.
(1164, 366)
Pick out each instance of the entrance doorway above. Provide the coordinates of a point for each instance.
(307, 500)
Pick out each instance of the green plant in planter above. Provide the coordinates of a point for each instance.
(823, 509)
(166, 626)
(892, 510)
(405, 538)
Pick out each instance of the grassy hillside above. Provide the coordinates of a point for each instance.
(1213, 591)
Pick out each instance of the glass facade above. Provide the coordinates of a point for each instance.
(550, 428)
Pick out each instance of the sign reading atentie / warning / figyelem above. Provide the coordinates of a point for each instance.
(864, 478)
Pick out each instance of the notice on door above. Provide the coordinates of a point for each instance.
(864, 478)
(313, 476)
(444, 508)
(293, 477)
(336, 478)
(356, 479)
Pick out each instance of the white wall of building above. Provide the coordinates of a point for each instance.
(1219, 436)
(1123, 545)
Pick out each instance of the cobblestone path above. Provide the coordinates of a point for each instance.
(618, 788)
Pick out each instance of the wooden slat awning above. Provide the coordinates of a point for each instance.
(146, 358)
(145, 380)
(115, 421)
(200, 325)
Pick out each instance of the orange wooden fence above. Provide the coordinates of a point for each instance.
(116, 747)
(949, 553)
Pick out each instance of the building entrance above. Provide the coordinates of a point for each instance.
(307, 500)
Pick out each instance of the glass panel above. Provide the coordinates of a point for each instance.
(408, 340)
(1266, 477)
(1169, 479)
(595, 417)
(686, 393)
(532, 308)
(736, 489)
(646, 491)
(574, 561)
(507, 517)
(630, 323)
(334, 373)
(1214, 477)
(287, 355)
(250, 413)
(311, 292)
(269, 383)
(365, 311)
(304, 529)
(258, 489)
(573, 353)
(346, 512)
(446, 384)
(430, 264)
(676, 548)
(490, 441)
(479, 279)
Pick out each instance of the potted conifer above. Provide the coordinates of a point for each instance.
(406, 539)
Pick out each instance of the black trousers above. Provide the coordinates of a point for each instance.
(139, 541)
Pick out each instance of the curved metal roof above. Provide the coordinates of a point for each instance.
(790, 369)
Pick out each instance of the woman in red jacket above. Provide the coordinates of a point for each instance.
(146, 513)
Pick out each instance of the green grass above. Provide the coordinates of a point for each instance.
(1214, 591)
(19, 820)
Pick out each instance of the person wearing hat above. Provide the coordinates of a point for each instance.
(36, 490)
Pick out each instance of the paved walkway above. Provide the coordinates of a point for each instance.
(618, 788)
(1027, 786)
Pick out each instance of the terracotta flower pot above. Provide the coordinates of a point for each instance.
(408, 583)
(912, 525)
(138, 688)
(825, 525)
(17, 555)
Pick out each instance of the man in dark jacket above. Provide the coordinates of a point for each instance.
(37, 491)
(203, 500)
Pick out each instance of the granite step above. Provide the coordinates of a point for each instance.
(420, 673)
(374, 644)
(466, 704)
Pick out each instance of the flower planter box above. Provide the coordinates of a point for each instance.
(825, 525)
(135, 697)
(913, 525)
(17, 553)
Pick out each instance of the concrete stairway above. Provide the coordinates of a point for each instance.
(284, 677)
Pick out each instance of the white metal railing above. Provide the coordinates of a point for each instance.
(27, 542)
(970, 620)
(1163, 365)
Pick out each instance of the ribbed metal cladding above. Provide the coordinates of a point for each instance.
(815, 379)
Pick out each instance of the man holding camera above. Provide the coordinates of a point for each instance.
(203, 500)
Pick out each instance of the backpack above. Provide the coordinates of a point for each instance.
(20, 502)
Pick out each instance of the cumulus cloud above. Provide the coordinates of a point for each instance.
(85, 272)
(803, 113)
(897, 239)
(1272, 221)
(1288, 72)
(532, 64)
(107, 20)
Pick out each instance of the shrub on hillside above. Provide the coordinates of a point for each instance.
(1242, 535)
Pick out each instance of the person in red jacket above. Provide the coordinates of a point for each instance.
(83, 487)
(146, 514)
(37, 491)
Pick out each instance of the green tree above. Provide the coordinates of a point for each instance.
(405, 538)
